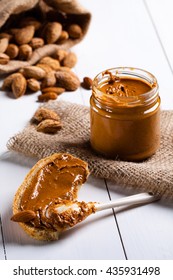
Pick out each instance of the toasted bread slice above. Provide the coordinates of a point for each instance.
(27, 212)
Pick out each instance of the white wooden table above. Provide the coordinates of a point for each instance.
(136, 33)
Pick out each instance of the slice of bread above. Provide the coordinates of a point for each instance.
(23, 216)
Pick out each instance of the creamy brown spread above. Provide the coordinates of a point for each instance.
(124, 123)
(56, 182)
(74, 213)
(125, 87)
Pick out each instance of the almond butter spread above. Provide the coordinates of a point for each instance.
(69, 213)
(55, 184)
(125, 114)
(124, 87)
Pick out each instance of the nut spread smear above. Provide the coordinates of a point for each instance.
(55, 183)
(67, 213)
(120, 91)
(125, 87)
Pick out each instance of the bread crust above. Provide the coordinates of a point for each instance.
(37, 233)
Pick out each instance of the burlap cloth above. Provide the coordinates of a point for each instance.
(12, 10)
(154, 174)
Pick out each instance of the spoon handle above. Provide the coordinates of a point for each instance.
(136, 199)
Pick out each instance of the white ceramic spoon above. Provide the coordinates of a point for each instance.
(69, 213)
(132, 200)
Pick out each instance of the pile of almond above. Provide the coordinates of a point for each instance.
(51, 75)
(30, 34)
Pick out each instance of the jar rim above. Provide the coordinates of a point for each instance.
(130, 72)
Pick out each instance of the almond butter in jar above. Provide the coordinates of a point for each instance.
(125, 114)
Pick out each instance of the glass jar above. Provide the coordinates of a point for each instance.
(125, 125)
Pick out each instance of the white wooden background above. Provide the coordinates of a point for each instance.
(136, 33)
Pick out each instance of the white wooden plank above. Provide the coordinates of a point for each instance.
(146, 230)
(161, 17)
(121, 34)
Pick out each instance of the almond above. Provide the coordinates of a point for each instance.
(57, 90)
(87, 83)
(25, 52)
(43, 114)
(60, 54)
(74, 31)
(47, 96)
(67, 80)
(45, 67)
(8, 80)
(3, 44)
(49, 126)
(12, 51)
(18, 86)
(33, 84)
(49, 80)
(33, 72)
(69, 60)
(24, 35)
(63, 37)
(64, 69)
(36, 43)
(4, 58)
(24, 216)
(53, 63)
(52, 32)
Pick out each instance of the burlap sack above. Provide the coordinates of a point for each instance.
(11, 10)
(154, 174)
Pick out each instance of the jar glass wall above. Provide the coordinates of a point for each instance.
(125, 114)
